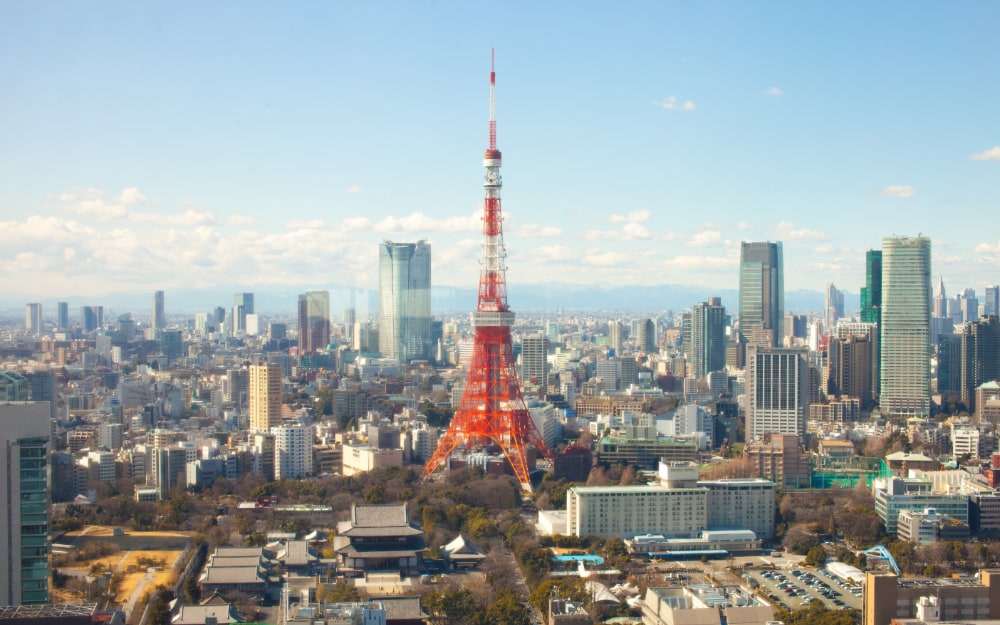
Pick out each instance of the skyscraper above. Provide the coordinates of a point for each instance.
(404, 320)
(991, 303)
(616, 333)
(314, 321)
(834, 307)
(158, 322)
(645, 336)
(905, 330)
(91, 318)
(762, 292)
(242, 306)
(851, 362)
(707, 338)
(534, 359)
(777, 392)
(62, 315)
(24, 500)
(871, 292)
(33, 318)
(265, 397)
(980, 357)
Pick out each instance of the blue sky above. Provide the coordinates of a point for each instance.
(208, 145)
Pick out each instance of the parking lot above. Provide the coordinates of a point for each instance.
(794, 588)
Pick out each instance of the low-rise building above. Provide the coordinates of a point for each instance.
(888, 598)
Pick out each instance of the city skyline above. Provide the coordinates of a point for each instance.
(643, 158)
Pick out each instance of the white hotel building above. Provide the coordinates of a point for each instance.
(678, 506)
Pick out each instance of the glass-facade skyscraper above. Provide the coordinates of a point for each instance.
(762, 292)
(906, 326)
(24, 497)
(314, 321)
(871, 292)
(404, 318)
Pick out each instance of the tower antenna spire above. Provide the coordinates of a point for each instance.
(493, 106)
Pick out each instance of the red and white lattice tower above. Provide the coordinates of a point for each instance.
(492, 408)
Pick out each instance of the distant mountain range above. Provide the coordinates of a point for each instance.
(523, 298)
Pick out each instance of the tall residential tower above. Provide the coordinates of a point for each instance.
(906, 326)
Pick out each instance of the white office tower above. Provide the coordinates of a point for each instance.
(292, 452)
(777, 392)
(24, 495)
(906, 303)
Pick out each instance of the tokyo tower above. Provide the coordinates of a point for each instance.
(492, 408)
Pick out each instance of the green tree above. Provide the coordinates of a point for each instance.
(506, 609)
(191, 591)
(816, 556)
(450, 607)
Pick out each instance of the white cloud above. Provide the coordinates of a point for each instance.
(898, 190)
(673, 103)
(605, 258)
(742, 227)
(706, 238)
(551, 253)
(702, 263)
(773, 91)
(421, 223)
(992, 154)
(190, 217)
(638, 216)
(131, 197)
(535, 230)
(635, 231)
(354, 188)
(988, 248)
(823, 249)
(786, 231)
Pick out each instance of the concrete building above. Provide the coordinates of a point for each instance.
(852, 363)
(925, 526)
(677, 507)
(362, 457)
(703, 604)
(777, 397)
(980, 361)
(746, 503)
(888, 598)
(534, 359)
(895, 494)
(705, 344)
(626, 511)
(781, 459)
(293, 452)
(24, 498)
(264, 397)
(905, 330)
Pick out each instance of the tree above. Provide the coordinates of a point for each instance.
(191, 591)
(506, 609)
(816, 556)
(450, 607)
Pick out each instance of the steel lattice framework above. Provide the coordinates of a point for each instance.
(492, 408)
